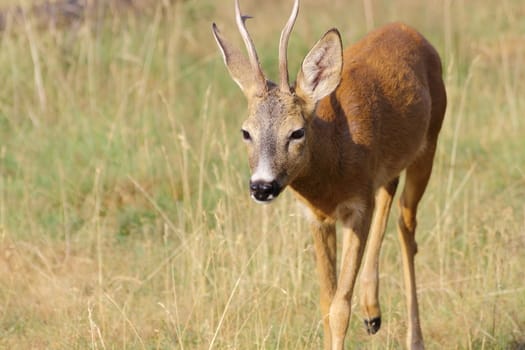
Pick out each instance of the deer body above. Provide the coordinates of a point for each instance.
(376, 122)
(340, 139)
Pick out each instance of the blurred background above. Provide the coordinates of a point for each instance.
(125, 217)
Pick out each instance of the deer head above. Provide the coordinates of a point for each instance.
(277, 131)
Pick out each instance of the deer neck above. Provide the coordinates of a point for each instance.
(324, 181)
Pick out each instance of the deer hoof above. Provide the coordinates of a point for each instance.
(373, 325)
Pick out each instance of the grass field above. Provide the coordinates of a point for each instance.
(125, 218)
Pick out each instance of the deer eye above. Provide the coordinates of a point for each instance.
(297, 134)
(246, 135)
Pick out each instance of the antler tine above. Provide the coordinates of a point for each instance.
(283, 48)
(250, 47)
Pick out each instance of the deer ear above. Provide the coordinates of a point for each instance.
(237, 64)
(320, 71)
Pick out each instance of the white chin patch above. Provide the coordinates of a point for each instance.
(267, 201)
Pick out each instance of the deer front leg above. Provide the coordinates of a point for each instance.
(370, 272)
(324, 236)
(355, 226)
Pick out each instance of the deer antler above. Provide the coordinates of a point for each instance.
(283, 47)
(250, 47)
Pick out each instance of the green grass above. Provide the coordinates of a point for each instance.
(125, 221)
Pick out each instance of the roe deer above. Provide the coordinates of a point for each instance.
(339, 138)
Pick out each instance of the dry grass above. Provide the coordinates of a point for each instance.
(124, 216)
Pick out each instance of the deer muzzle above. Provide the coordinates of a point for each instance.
(263, 191)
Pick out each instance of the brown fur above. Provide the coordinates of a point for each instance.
(367, 114)
(384, 112)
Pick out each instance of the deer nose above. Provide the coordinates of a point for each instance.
(263, 191)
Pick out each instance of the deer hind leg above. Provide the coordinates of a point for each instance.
(370, 274)
(417, 176)
(324, 235)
